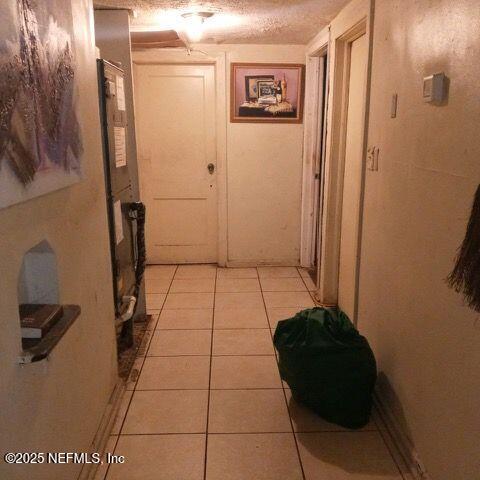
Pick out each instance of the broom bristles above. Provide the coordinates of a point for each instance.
(465, 276)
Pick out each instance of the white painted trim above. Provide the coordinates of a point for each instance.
(319, 42)
(221, 131)
(322, 162)
(369, 33)
(99, 443)
(352, 21)
(218, 59)
(312, 141)
(263, 263)
(318, 157)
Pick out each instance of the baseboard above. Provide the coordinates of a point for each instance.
(265, 263)
(400, 446)
(106, 424)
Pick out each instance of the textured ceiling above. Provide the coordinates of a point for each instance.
(237, 21)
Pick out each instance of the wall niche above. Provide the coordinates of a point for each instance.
(38, 280)
(43, 321)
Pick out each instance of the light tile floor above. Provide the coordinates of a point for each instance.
(206, 402)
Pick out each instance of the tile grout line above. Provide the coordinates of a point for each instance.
(283, 387)
(159, 313)
(210, 375)
(390, 447)
(166, 434)
(140, 371)
(223, 329)
(306, 286)
(277, 432)
(205, 389)
(156, 322)
(217, 355)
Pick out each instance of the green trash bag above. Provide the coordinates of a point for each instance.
(328, 365)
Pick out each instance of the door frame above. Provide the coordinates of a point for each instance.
(353, 21)
(314, 149)
(218, 60)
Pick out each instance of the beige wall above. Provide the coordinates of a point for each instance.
(263, 169)
(426, 341)
(56, 405)
(264, 175)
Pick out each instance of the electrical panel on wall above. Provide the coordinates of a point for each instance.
(117, 178)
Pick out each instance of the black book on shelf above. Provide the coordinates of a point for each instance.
(37, 319)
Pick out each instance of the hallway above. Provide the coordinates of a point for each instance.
(209, 402)
(323, 152)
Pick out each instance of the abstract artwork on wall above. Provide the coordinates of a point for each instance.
(40, 139)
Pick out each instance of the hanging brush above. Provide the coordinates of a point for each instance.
(465, 276)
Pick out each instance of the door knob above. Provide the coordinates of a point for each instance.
(211, 168)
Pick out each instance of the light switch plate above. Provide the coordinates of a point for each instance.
(434, 88)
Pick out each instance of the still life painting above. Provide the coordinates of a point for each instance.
(40, 138)
(268, 92)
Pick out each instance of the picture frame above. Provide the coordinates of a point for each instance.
(266, 92)
(251, 85)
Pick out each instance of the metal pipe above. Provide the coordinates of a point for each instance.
(127, 315)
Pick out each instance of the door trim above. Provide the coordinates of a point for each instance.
(314, 152)
(312, 143)
(218, 60)
(356, 20)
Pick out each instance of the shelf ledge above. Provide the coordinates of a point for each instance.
(39, 349)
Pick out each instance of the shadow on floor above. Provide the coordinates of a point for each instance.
(354, 451)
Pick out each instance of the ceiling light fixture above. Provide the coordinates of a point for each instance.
(194, 26)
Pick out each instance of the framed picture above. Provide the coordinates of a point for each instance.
(267, 92)
(251, 93)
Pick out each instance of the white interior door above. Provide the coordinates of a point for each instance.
(352, 181)
(175, 115)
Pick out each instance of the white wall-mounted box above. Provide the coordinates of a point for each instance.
(434, 88)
